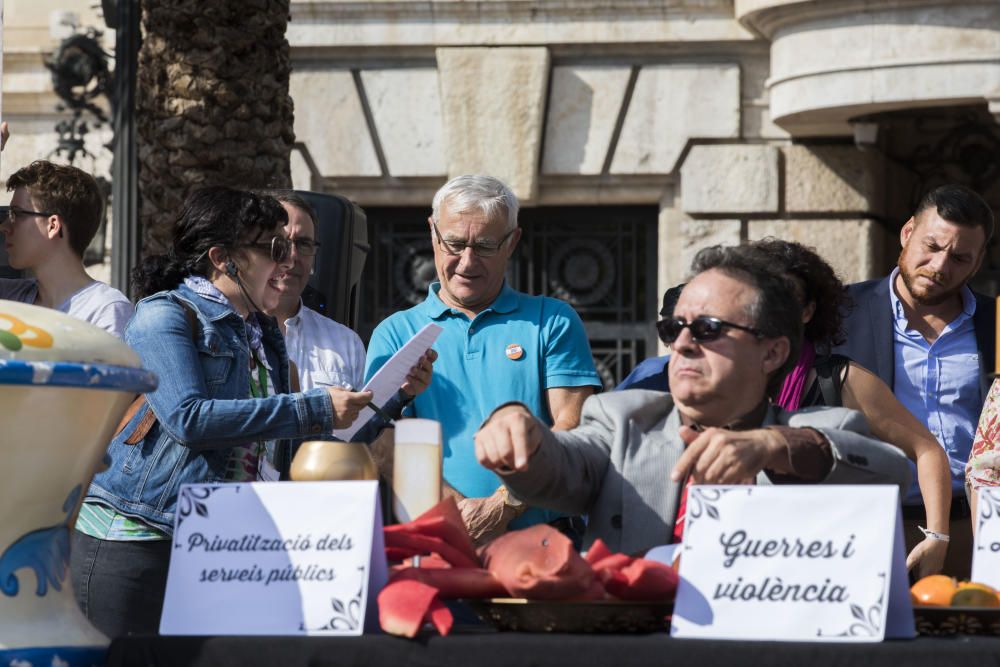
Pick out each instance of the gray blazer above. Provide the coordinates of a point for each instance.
(615, 465)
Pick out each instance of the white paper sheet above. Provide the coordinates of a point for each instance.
(388, 379)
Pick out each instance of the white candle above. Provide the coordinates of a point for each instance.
(416, 467)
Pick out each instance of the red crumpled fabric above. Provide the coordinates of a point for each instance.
(628, 578)
(412, 596)
(538, 563)
(404, 605)
(439, 530)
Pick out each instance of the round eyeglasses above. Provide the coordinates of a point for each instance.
(306, 247)
(478, 249)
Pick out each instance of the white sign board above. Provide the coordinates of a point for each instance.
(285, 558)
(986, 555)
(793, 563)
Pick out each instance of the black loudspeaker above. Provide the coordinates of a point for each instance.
(342, 231)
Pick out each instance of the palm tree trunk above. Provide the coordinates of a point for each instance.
(212, 103)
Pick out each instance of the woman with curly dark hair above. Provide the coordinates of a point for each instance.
(822, 378)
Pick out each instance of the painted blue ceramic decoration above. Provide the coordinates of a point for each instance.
(64, 385)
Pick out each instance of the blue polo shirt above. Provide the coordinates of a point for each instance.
(514, 350)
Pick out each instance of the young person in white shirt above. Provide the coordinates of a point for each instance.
(54, 213)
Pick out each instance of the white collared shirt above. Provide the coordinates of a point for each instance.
(326, 352)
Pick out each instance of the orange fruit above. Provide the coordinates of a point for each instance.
(935, 591)
(972, 594)
(977, 586)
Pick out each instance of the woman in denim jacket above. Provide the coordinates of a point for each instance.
(222, 408)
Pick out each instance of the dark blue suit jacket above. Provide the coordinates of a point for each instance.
(870, 340)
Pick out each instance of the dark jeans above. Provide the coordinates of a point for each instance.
(120, 585)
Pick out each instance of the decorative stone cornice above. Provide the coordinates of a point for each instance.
(766, 17)
(393, 24)
(508, 9)
(836, 60)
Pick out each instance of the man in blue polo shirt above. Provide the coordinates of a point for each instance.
(498, 345)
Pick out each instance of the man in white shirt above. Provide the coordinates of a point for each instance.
(326, 352)
(54, 213)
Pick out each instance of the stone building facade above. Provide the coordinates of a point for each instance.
(697, 121)
(637, 131)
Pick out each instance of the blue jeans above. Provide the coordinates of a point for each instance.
(120, 585)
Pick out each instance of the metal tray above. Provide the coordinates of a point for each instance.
(941, 621)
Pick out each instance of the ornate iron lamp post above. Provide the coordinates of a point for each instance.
(80, 76)
(123, 16)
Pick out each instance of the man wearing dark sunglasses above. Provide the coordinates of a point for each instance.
(497, 344)
(54, 213)
(628, 464)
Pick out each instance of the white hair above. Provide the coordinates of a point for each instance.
(475, 192)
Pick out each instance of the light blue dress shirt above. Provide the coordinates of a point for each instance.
(939, 383)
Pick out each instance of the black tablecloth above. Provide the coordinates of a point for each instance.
(526, 650)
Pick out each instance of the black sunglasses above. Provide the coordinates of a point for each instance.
(14, 212)
(703, 328)
(279, 248)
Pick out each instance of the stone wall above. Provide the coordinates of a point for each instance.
(570, 114)
(735, 117)
(833, 197)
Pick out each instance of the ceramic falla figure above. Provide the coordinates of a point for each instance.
(64, 384)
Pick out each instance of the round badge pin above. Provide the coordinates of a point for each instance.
(514, 351)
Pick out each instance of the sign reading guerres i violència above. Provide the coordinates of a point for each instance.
(796, 563)
(275, 559)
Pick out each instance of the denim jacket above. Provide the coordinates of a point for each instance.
(202, 405)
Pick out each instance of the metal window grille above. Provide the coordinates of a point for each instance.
(600, 260)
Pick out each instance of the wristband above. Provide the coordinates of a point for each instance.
(941, 537)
